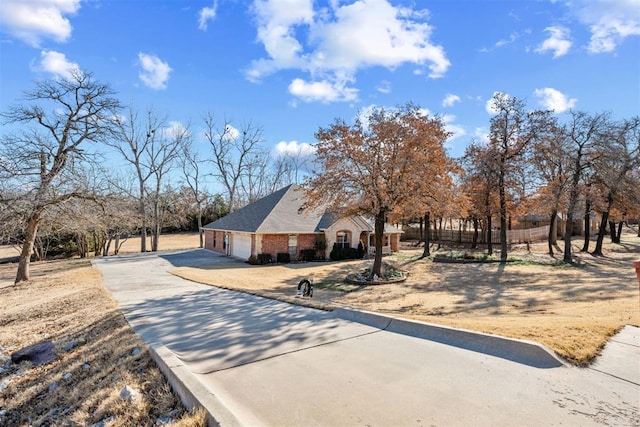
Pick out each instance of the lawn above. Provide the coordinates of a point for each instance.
(66, 302)
(572, 309)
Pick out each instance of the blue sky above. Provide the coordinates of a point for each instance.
(294, 66)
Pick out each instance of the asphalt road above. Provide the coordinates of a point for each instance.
(275, 364)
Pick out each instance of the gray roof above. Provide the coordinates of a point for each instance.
(281, 212)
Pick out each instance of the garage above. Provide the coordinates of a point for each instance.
(241, 245)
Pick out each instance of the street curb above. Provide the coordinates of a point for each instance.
(525, 352)
(191, 391)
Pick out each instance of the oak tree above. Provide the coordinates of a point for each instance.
(378, 165)
(58, 125)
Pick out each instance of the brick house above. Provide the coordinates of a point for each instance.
(276, 224)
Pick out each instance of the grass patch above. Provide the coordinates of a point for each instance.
(338, 287)
(571, 308)
(97, 355)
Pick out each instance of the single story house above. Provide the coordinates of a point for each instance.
(277, 224)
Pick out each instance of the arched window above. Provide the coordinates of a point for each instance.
(343, 239)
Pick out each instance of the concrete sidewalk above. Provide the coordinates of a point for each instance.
(254, 361)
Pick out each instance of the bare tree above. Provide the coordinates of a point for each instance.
(151, 149)
(61, 118)
(581, 133)
(234, 152)
(551, 159)
(192, 173)
(163, 155)
(619, 158)
(513, 129)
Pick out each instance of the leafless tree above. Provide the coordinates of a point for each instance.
(59, 120)
(151, 149)
(191, 163)
(551, 158)
(234, 153)
(581, 133)
(619, 148)
(513, 130)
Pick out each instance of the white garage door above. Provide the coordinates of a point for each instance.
(241, 245)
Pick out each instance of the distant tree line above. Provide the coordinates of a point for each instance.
(79, 172)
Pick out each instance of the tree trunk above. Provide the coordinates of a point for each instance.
(427, 235)
(22, 274)
(587, 225)
(503, 216)
(379, 230)
(421, 230)
(603, 225)
(155, 232)
(567, 240)
(612, 232)
(143, 229)
(601, 232)
(619, 233)
(552, 230)
(489, 242)
(200, 231)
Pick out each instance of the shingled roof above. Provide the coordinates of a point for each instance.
(279, 212)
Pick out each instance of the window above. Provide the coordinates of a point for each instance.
(343, 239)
(293, 245)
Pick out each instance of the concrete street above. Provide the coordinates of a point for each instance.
(254, 361)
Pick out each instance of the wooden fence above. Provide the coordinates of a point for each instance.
(513, 236)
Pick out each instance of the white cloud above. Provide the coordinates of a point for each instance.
(384, 87)
(559, 41)
(553, 99)
(322, 91)
(34, 20)
(175, 129)
(455, 129)
(56, 63)
(154, 72)
(482, 134)
(610, 22)
(333, 43)
(207, 14)
(294, 148)
(450, 99)
(503, 42)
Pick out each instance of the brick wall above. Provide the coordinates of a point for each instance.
(274, 243)
(213, 240)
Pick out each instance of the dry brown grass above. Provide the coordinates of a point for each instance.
(66, 301)
(167, 242)
(572, 309)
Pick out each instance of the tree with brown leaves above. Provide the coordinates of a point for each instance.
(383, 162)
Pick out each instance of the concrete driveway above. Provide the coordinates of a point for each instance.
(254, 361)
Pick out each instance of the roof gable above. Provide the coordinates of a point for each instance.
(281, 212)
